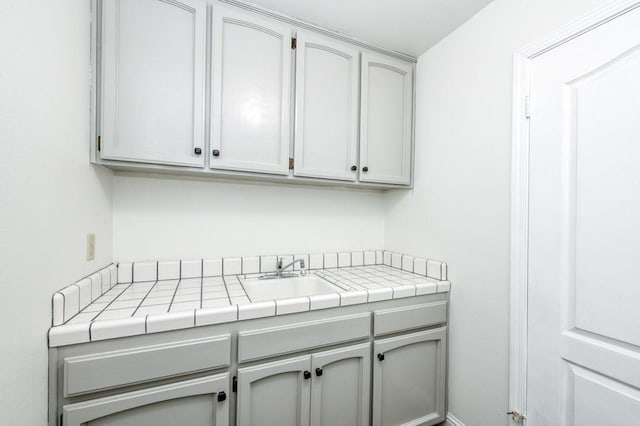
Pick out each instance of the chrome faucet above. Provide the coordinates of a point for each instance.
(280, 269)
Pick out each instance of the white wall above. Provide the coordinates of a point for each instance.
(181, 218)
(459, 210)
(50, 196)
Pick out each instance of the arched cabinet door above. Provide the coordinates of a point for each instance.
(340, 389)
(250, 92)
(275, 394)
(326, 125)
(386, 114)
(409, 379)
(152, 81)
(198, 402)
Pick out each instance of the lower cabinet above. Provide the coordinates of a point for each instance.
(409, 379)
(328, 388)
(197, 402)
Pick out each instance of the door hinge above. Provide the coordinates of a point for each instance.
(516, 417)
(234, 386)
(294, 43)
(527, 106)
(98, 143)
(291, 161)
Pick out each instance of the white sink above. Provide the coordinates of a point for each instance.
(286, 287)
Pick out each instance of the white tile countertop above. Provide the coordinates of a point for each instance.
(147, 297)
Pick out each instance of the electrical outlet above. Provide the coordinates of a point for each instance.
(91, 246)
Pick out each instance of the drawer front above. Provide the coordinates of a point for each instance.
(267, 342)
(90, 373)
(409, 317)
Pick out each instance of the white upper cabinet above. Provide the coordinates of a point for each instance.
(385, 119)
(251, 87)
(168, 71)
(152, 81)
(326, 130)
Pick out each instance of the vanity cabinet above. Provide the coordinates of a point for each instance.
(152, 81)
(386, 115)
(251, 86)
(326, 130)
(380, 363)
(409, 379)
(197, 402)
(327, 388)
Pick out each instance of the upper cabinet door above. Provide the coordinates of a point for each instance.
(251, 86)
(152, 81)
(385, 119)
(326, 135)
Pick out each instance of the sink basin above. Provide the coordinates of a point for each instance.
(286, 287)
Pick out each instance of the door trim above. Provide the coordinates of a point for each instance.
(520, 187)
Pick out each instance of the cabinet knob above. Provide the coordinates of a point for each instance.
(197, 151)
(381, 357)
(222, 396)
(354, 168)
(307, 374)
(365, 169)
(216, 152)
(318, 371)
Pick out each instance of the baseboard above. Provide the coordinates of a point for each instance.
(452, 421)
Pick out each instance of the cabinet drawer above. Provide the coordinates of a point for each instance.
(267, 342)
(409, 317)
(90, 373)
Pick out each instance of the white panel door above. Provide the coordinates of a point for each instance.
(152, 81)
(385, 119)
(584, 230)
(326, 135)
(251, 86)
(275, 394)
(340, 388)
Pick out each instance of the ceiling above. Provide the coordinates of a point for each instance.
(407, 26)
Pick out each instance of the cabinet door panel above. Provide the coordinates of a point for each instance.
(326, 135)
(385, 119)
(251, 85)
(153, 72)
(274, 394)
(194, 402)
(409, 382)
(340, 394)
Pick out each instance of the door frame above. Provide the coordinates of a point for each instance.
(520, 188)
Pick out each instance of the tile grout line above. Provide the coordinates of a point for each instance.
(145, 297)
(244, 289)
(224, 282)
(112, 300)
(176, 289)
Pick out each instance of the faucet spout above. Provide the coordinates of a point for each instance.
(280, 268)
